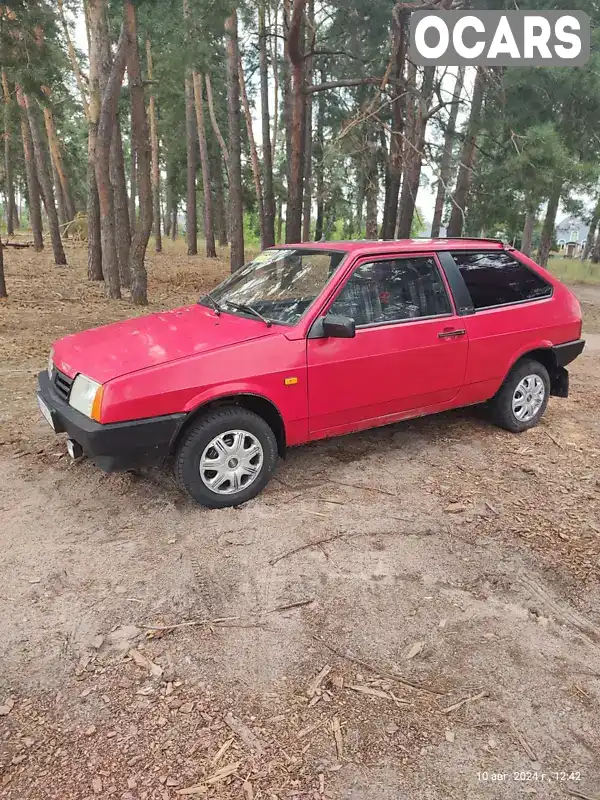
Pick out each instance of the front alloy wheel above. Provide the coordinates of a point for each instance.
(226, 457)
(231, 461)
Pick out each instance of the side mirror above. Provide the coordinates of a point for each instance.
(338, 327)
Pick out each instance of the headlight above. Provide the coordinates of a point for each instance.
(86, 396)
(51, 363)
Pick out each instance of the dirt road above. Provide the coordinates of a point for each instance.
(441, 575)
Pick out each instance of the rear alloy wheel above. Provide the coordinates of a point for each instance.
(522, 400)
(226, 458)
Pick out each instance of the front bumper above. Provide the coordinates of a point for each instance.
(115, 447)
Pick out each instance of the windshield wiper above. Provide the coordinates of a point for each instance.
(213, 303)
(250, 310)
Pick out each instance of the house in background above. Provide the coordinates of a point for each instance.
(571, 235)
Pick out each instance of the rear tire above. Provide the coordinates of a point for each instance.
(226, 458)
(521, 401)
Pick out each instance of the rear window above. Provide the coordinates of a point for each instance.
(498, 279)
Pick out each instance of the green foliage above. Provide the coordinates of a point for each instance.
(573, 270)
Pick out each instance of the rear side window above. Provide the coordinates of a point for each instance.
(498, 279)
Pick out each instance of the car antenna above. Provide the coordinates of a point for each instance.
(325, 233)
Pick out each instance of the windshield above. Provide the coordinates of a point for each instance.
(278, 284)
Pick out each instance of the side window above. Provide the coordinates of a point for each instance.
(497, 279)
(391, 291)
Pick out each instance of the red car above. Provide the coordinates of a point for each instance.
(311, 341)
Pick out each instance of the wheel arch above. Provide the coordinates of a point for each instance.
(256, 403)
(545, 355)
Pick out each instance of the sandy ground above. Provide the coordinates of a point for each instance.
(411, 612)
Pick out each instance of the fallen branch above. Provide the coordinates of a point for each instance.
(563, 613)
(336, 729)
(364, 488)
(17, 244)
(337, 536)
(464, 701)
(315, 683)
(377, 671)
(189, 624)
(245, 734)
(289, 606)
(581, 795)
(553, 438)
(227, 622)
(523, 742)
(275, 560)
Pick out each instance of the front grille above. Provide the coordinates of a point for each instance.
(62, 384)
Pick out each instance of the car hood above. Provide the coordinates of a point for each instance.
(123, 347)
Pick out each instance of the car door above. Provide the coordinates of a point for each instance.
(409, 353)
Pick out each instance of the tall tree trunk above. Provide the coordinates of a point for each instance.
(394, 166)
(209, 233)
(45, 182)
(268, 229)
(589, 242)
(73, 57)
(175, 230)
(3, 292)
(530, 218)
(191, 225)
(191, 146)
(33, 186)
(279, 234)
(445, 165)
(372, 189)
(596, 250)
(287, 89)
(155, 154)
(109, 77)
(214, 122)
(549, 224)
(414, 156)
(58, 163)
(169, 197)
(308, 126)
(92, 113)
(11, 210)
(253, 156)
(275, 68)
(93, 216)
(216, 172)
(133, 190)
(120, 202)
(236, 211)
(319, 165)
(293, 222)
(460, 197)
(61, 206)
(140, 135)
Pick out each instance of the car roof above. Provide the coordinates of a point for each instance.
(372, 246)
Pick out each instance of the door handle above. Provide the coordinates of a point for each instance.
(451, 333)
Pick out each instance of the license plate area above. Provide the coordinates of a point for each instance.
(46, 413)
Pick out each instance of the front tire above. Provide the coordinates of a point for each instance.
(226, 458)
(523, 397)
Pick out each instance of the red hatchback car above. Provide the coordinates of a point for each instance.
(311, 341)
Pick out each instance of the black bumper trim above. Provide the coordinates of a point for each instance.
(565, 353)
(117, 446)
